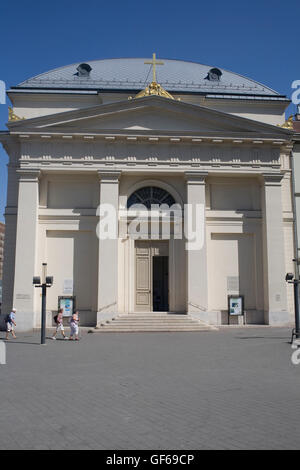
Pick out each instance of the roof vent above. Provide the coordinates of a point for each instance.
(214, 75)
(83, 70)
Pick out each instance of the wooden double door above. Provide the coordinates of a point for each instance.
(151, 276)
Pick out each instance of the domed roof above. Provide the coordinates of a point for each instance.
(133, 74)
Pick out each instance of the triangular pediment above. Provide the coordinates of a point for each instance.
(148, 115)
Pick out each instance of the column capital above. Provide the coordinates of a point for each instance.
(28, 175)
(195, 177)
(272, 179)
(109, 176)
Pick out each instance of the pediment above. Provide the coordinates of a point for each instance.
(148, 115)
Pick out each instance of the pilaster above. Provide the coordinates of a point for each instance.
(108, 247)
(275, 295)
(196, 256)
(26, 247)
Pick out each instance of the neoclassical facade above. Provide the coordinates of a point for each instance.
(86, 135)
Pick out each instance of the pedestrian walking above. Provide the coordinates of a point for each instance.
(11, 324)
(59, 324)
(74, 326)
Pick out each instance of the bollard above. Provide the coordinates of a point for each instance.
(2, 353)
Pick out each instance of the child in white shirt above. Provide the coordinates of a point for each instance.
(74, 326)
(59, 324)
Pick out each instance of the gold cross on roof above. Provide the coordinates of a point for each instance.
(154, 63)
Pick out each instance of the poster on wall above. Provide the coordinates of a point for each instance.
(235, 305)
(67, 303)
(68, 287)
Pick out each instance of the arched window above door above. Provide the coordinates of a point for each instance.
(150, 195)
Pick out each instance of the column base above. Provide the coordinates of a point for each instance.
(206, 317)
(220, 317)
(24, 321)
(103, 317)
(278, 318)
(2, 322)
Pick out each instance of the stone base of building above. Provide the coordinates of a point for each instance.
(251, 317)
(278, 318)
(2, 322)
(25, 322)
(103, 317)
(87, 318)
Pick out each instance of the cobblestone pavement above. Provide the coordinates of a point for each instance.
(230, 389)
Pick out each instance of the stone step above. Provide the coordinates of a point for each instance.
(154, 320)
(155, 317)
(144, 315)
(151, 326)
(154, 327)
(151, 322)
(131, 317)
(149, 330)
(153, 314)
(162, 323)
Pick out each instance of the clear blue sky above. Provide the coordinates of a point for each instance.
(258, 39)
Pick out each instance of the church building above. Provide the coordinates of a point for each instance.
(120, 132)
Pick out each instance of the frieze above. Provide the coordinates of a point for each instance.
(83, 152)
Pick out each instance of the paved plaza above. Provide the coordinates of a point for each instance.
(230, 389)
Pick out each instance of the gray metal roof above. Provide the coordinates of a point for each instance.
(133, 74)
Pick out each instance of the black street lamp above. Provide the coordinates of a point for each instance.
(47, 281)
(291, 280)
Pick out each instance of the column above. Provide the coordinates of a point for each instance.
(196, 259)
(108, 250)
(10, 240)
(275, 295)
(26, 247)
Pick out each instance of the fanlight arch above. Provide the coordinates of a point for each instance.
(149, 195)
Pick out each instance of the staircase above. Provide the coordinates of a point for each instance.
(152, 322)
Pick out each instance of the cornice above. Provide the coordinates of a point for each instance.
(28, 174)
(148, 165)
(272, 179)
(149, 137)
(195, 177)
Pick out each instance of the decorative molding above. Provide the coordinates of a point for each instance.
(195, 177)
(150, 134)
(109, 176)
(288, 124)
(12, 116)
(272, 179)
(28, 175)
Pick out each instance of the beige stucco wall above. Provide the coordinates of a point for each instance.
(234, 235)
(68, 242)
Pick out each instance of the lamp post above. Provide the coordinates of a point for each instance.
(47, 281)
(291, 280)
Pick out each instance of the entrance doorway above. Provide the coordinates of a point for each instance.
(151, 276)
(160, 283)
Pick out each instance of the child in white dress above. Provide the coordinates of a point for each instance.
(74, 326)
